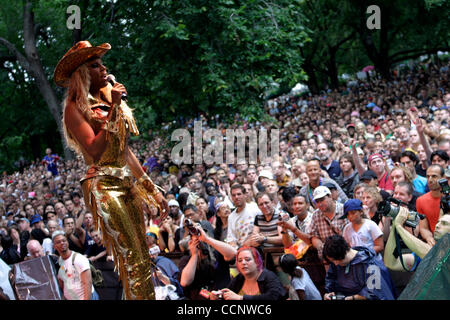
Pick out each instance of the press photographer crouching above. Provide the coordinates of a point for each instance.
(398, 261)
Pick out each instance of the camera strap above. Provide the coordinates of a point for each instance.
(399, 249)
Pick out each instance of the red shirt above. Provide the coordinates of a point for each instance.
(385, 183)
(430, 207)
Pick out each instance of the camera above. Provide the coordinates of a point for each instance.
(193, 231)
(338, 297)
(445, 199)
(386, 209)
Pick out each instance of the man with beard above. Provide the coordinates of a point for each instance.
(430, 204)
(328, 164)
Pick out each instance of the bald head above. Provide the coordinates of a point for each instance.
(35, 249)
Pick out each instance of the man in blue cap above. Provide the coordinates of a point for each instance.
(37, 222)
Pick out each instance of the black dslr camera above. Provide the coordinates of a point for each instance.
(445, 199)
(193, 231)
(385, 208)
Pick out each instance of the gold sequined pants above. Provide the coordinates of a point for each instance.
(116, 207)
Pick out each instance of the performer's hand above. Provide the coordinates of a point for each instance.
(163, 204)
(116, 93)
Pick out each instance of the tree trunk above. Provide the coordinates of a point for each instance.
(332, 68)
(312, 78)
(31, 62)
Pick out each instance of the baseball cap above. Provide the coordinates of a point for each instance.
(350, 205)
(351, 125)
(36, 218)
(330, 186)
(320, 192)
(152, 234)
(368, 175)
(24, 219)
(212, 171)
(374, 156)
(266, 174)
(296, 183)
(154, 250)
(173, 202)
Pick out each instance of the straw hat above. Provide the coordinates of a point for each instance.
(75, 57)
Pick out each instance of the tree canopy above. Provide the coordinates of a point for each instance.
(181, 58)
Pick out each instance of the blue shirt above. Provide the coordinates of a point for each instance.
(334, 170)
(364, 275)
(420, 184)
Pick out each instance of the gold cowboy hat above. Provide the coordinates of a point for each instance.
(75, 57)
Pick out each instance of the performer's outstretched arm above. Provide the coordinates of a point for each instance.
(144, 179)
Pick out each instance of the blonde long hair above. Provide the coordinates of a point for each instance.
(78, 92)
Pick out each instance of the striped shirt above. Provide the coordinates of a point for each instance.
(269, 228)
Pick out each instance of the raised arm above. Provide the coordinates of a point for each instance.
(93, 143)
(228, 251)
(188, 273)
(423, 140)
(356, 159)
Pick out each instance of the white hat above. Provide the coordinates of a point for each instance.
(266, 174)
(320, 192)
(173, 202)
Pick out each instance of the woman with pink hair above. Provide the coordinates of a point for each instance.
(253, 282)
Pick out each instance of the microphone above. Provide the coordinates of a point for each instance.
(112, 80)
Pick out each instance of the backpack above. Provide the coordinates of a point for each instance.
(97, 276)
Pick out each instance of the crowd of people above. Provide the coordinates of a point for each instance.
(341, 153)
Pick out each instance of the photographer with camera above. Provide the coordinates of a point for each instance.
(430, 203)
(199, 270)
(355, 273)
(419, 248)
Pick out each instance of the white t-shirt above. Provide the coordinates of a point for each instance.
(240, 225)
(366, 235)
(71, 275)
(306, 284)
(47, 245)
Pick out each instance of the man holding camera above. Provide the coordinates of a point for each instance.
(430, 204)
(199, 269)
(409, 261)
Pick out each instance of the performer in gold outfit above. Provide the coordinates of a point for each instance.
(97, 123)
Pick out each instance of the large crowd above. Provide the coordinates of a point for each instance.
(286, 226)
